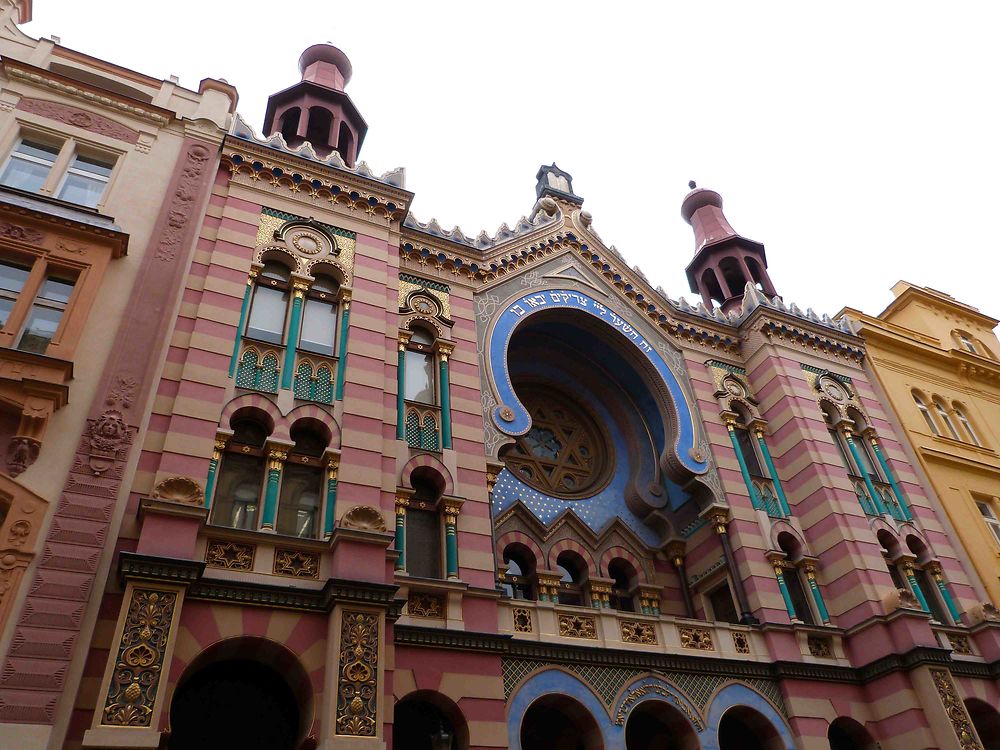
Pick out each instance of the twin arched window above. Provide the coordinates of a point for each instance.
(269, 310)
(240, 489)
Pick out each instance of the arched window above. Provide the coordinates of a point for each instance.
(925, 581)
(319, 317)
(518, 578)
(574, 574)
(890, 552)
(733, 274)
(622, 591)
(946, 418)
(987, 508)
(241, 476)
(423, 529)
(793, 579)
(710, 287)
(302, 485)
(290, 125)
(269, 305)
(925, 413)
(420, 383)
(318, 130)
(967, 342)
(345, 144)
(964, 420)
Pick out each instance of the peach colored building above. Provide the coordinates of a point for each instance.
(935, 359)
(343, 479)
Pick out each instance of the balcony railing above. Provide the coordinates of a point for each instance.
(766, 498)
(422, 425)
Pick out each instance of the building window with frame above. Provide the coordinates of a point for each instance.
(925, 413)
(301, 496)
(420, 383)
(518, 577)
(33, 166)
(720, 600)
(967, 426)
(29, 165)
(987, 509)
(423, 530)
(573, 572)
(241, 477)
(319, 317)
(625, 579)
(967, 342)
(34, 325)
(942, 411)
(269, 305)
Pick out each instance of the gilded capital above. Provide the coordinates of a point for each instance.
(276, 459)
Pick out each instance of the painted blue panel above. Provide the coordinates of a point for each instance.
(557, 682)
(520, 422)
(740, 695)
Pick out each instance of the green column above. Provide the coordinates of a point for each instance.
(774, 475)
(401, 503)
(345, 322)
(243, 321)
(213, 468)
(743, 467)
(875, 497)
(915, 587)
(275, 460)
(892, 481)
(445, 403)
(817, 595)
(293, 337)
(331, 498)
(946, 595)
(400, 383)
(451, 541)
(792, 614)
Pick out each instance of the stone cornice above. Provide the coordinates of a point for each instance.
(278, 169)
(92, 95)
(191, 574)
(791, 329)
(558, 653)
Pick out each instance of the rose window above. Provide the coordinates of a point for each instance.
(564, 453)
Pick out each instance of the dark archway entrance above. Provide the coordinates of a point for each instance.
(654, 725)
(235, 703)
(428, 721)
(847, 734)
(743, 728)
(557, 722)
(986, 720)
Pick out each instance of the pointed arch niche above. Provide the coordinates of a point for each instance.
(589, 412)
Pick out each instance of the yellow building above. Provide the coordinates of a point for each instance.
(936, 360)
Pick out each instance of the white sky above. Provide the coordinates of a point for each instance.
(858, 140)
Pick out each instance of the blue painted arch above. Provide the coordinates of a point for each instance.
(510, 416)
(558, 682)
(737, 695)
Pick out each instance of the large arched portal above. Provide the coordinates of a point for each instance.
(428, 721)
(743, 728)
(235, 703)
(986, 720)
(557, 722)
(655, 725)
(847, 734)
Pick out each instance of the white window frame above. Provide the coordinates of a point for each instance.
(69, 147)
(988, 512)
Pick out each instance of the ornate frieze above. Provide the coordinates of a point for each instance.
(577, 626)
(79, 118)
(296, 563)
(696, 638)
(423, 604)
(955, 708)
(139, 663)
(229, 555)
(634, 631)
(820, 646)
(521, 617)
(629, 701)
(357, 696)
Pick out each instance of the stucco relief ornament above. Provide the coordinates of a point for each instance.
(734, 388)
(833, 389)
(107, 434)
